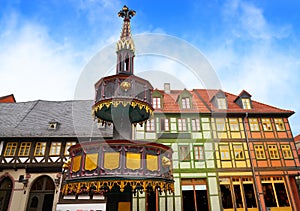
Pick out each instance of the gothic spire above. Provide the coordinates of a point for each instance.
(125, 46)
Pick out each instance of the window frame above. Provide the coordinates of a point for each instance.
(41, 146)
(259, 151)
(240, 151)
(14, 147)
(222, 103)
(277, 122)
(200, 153)
(253, 124)
(224, 152)
(286, 149)
(182, 125)
(156, 102)
(184, 153)
(273, 152)
(266, 124)
(186, 103)
(164, 125)
(195, 125)
(56, 145)
(150, 125)
(219, 122)
(246, 102)
(234, 124)
(24, 149)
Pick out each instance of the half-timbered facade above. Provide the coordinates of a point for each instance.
(230, 152)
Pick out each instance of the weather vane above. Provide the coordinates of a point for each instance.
(126, 13)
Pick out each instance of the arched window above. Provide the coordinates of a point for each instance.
(41, 194)
(5, 193)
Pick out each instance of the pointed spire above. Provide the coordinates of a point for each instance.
(125, 46)
(126, 41)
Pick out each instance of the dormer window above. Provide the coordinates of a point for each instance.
(246, 103)
(185, 103)
(243, 100)
(184, 99)
(222, 103)
(156, 102)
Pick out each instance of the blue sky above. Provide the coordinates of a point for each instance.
(252, 45)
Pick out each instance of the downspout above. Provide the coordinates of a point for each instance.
(252, 166)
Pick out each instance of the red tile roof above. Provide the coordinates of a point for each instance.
(201, 102)
(297, 138)
(8, 99)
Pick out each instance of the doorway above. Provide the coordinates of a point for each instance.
(194, 195)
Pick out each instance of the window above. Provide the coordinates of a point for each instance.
(253, 124)
(184, 153)
(266, 124)
(273, 151)
(238, 152)
(226, 196)
(279, 124)
(242, 190)
(10, 149)
(68, 145)
(40, 149)
(274, 191)
(150, 125)
(55, 148)
(259, 152)
(185, 102)
(205, 124)
(234, 124)
(246, 103)
(286, 151)
(220, 124)
(198, 153)
(222, 103)
(24, 149)
(164, 125)
(181, 124)
(156, 102)
(224, 152)
(196, 125)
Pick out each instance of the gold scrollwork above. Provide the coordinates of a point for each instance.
(80, 187)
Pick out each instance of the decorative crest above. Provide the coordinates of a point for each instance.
(126, 13)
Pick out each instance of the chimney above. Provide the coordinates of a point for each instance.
(167, 88)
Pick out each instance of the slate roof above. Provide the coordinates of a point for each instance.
(31, 119)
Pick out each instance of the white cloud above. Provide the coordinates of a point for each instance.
(33, 66)
(251, 57)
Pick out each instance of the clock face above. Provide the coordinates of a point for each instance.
(125, 85)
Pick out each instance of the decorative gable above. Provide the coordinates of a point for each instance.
(243, 100)
(185, 99)
(157, 99)
(219, 100)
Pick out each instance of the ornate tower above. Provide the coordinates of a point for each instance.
(108, 174)
(123, 99)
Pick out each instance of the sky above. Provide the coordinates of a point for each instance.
(251, 45)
